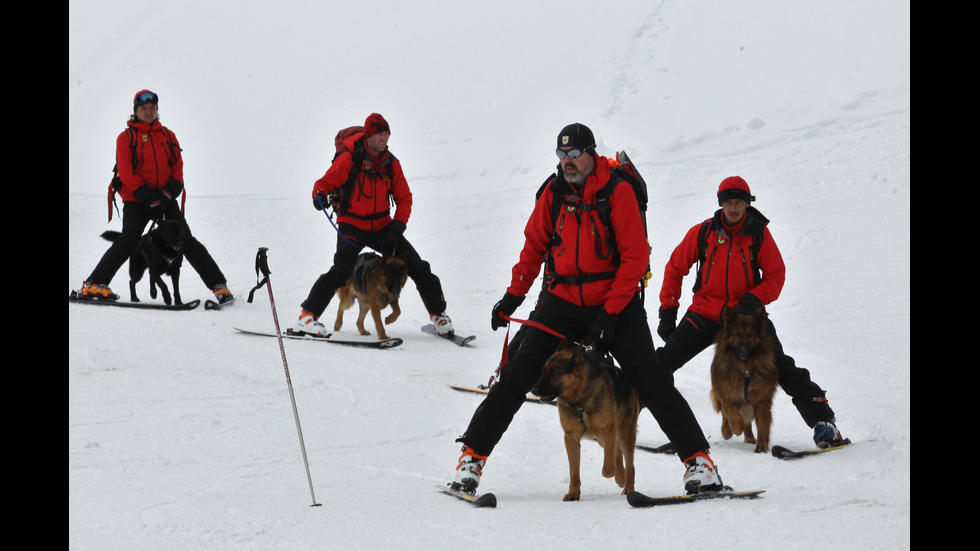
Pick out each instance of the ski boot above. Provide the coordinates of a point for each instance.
(826, 435)
(308, 324)
(468, 471)
(702, 475)
(96, 291)
(444, 325)
(222, 293)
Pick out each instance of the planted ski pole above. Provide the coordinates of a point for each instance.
(262, 266)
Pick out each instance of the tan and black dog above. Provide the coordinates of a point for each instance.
(744, 377)
(376, 284)
(595, 401)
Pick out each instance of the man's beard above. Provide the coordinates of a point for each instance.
(578, 177)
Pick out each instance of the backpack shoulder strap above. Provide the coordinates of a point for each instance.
(703, 233)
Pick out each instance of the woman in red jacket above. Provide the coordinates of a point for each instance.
(151, 169)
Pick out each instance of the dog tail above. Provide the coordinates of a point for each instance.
(715, 401)
(111, 235)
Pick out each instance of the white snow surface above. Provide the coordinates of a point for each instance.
(180, 431)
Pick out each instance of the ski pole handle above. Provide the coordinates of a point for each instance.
(262, 262)
(261, 266)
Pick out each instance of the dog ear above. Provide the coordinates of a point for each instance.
(730, 315)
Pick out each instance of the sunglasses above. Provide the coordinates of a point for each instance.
(147, 97)
(571, 154)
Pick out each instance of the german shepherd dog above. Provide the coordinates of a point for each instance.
(744, 377)
(376, 284)
(161, 251)
(593, 400)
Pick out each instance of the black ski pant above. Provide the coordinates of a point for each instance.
(350, 242)
(695, 332)
(633, 350)
(135, 217)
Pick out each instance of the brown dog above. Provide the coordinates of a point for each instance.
(376, 284)
(596, 401)
(744, 377)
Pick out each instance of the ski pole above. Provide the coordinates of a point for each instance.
(262, 265)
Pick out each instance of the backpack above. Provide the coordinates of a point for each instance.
(622, 170)
(116, 183)
(704, 232)
(340, 198)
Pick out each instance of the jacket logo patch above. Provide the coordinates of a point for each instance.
(145, 137)
(721, 241)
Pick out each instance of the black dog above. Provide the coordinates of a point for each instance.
(161, 251)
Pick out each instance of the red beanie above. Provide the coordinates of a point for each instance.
(375, 124)
(734, 187)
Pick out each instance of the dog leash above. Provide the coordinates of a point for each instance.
(329, 219)
(532, 323)
(504, 353)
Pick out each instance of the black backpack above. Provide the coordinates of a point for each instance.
(340, 198)
(563, 194)
(704, 232)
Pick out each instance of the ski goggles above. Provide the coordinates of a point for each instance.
(571, 153)
(147, 97)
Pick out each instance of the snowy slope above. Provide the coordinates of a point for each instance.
(181, 435)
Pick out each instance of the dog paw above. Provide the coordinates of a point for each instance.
(365, 332)
(572, 496)
(391, 319)
(749, 439)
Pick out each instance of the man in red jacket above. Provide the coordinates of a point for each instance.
(366, 221)
(725, 245)
(151, 169)
(593, 295)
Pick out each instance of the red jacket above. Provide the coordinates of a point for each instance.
(157, 158)
(727, 272)
(580, 232)
(369, 207)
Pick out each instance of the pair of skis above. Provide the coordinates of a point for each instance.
(209, 304)
(383, 343)
(635, 499)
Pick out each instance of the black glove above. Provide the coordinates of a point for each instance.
(603, 332)
(506, 305)
(668, 322)
(749, 305)
(392, 237)
(320, 201)
(174, 188)
(143, 194)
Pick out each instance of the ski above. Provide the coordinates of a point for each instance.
(667, 448)
(215, 305)
(484, 391)
(458, 339)
(386, 343)
(786, 453)
(75, 299)
(636, 499)
(482, 500)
